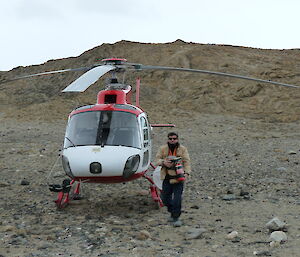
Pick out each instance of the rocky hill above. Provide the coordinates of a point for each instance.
(177, 92)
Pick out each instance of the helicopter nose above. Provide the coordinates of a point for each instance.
(109, 161)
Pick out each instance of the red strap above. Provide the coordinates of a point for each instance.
(174, 153)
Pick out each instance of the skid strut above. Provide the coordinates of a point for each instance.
(63, 190)
(154, 190)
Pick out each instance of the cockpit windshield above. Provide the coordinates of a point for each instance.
(103, 128)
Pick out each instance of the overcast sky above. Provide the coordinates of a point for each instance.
(34, 31)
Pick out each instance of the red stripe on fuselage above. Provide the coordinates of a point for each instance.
(109, 180)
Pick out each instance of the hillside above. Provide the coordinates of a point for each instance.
(179, 92)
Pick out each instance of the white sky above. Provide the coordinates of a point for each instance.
(34, 31)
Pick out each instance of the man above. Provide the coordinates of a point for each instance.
(172, 187)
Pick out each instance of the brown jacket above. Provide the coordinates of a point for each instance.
(180, 152)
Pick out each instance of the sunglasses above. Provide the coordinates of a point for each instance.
(173, 138)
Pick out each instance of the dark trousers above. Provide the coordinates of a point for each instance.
(171, 196)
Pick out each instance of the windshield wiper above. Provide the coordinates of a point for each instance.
(73, 145)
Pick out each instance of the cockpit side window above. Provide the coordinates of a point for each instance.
(146, 134)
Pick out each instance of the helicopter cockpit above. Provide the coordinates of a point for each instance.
(112, 128)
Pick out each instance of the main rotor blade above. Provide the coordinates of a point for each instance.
(147, 67)
(88, 78)
(47, 73)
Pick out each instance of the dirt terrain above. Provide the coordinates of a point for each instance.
(242, 137)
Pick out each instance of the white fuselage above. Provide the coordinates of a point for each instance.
(107, 145)
(112, 159)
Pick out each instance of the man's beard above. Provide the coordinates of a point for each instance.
(173, 146)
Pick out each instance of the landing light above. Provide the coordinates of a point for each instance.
(66, 166)
(131, 166)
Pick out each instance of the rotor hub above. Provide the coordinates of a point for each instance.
(114, 61)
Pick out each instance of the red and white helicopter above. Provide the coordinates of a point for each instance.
(110, 141)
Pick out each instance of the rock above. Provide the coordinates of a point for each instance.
(232, 235)
(244, 193)
(25, 182)
(284, 159)
(292, 152)
(262, 253)
(195, 233)
(247, 197)
(4, 184)
(44, 246)
(274, 244)
(7, 228)
(42, 150)
(229, 197)
(278, 236)
(143, 235)
(281, 169)
(276, 224)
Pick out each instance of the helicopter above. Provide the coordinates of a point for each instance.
(110, 141)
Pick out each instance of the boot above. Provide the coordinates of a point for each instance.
(177, 223)
(170, 219)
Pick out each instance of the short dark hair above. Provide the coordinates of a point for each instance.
(172, 134)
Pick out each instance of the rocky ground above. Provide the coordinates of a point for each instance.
(245, 172)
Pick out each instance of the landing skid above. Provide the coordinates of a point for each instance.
(65, 195)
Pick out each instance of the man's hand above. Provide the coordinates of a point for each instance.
(187, 177)
(167, 163)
